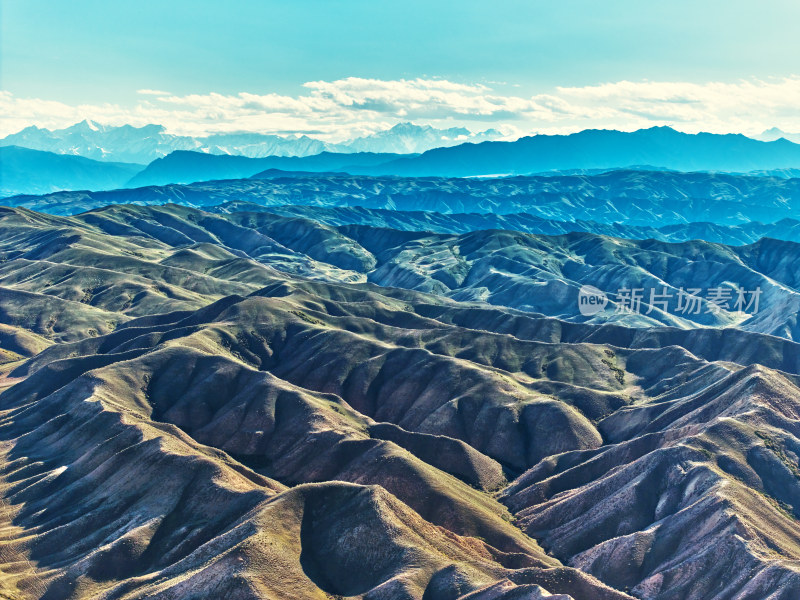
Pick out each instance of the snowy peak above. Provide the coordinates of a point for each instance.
(774, 133)
(85, 126)
(144, 144)
(408, 138)
(93, 140)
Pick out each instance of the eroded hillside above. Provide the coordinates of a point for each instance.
(227, 405)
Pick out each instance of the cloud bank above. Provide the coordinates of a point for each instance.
(347, 108)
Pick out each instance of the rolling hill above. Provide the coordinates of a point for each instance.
(435, 222)
(326, 385)
(221, 404)
(534, 273)
(626, 197)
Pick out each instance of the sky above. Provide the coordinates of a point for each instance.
(340, 68)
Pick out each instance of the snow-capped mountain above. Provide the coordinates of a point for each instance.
(257, 145)
(772, 134)
(407, 138)
(102, 142)
(144, 144)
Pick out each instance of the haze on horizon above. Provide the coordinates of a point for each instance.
(340, 70)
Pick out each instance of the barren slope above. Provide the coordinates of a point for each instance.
(187, 414)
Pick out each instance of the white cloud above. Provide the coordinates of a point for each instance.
(149, 92)
(354, 106)
(747, 106)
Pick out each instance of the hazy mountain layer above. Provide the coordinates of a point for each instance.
(101, 142)
(450, 152)
(435, 222)
(600, 149)
(642, 198)
(395, 152)
(188, 167)
(774, 133)
(24, 171)
(299, 438)
(147, 143)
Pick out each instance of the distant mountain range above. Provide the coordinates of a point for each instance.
(586, 153)
(772, 134)
(148, 143)
(23, 170)
(623, 197)
(601, 149)
(186, 167)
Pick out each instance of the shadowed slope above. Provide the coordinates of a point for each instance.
(627, 197)
(675, 441)
(259, 434)
(83, 430)
(136, 261)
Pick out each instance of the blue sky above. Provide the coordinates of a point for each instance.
(99, 54)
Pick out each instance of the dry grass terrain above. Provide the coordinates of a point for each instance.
(200, 405)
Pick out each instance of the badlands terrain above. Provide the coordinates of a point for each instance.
(334, 386)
